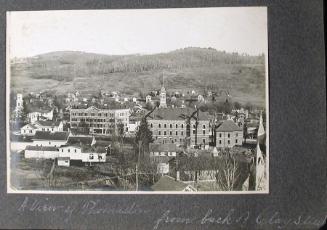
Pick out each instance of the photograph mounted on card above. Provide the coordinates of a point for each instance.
(138, 101)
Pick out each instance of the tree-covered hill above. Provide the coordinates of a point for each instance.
(183, 70)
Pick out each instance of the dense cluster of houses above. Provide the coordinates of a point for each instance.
(175, 127)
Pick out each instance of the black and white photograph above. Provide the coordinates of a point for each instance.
(138, 101)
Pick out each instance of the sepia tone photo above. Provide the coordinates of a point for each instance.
(138, 101)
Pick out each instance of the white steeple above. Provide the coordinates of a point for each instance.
(163, 100)
(260, 180)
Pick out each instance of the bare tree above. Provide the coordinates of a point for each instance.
(228, 174)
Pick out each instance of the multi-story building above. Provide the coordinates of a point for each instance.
(100, 120)
(168, 126)
(201, 134)
(175, 125)
(228, 135)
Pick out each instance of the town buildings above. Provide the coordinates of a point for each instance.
(51, 126)
(228, 134)
(100, 120)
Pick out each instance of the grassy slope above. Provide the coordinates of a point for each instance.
(186, 69)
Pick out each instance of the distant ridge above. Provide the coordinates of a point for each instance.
(186, 68)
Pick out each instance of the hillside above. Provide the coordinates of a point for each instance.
(183, 69)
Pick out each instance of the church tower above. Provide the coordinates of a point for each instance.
(19, 104)
(163, 96)
(260, 164)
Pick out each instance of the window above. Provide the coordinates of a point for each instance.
(75, 151)
(49, 143)
(182, 125)
(151, 125)
(69, 150)
(165, 133)
(204, 132)
(159, 125)
(193, 131)
(236, 141)
(24, 131)
(52, 129)
(228, 135)
(165, 125)
(159, 132)
(219, 141)
(204, 141)
(31, 131)
(236, 134)
(219, 134)
(176, 126)
(91, 157)
(182, 133)
(170, 133)
(228, 142)
(62, 150)
(204, 126)
(171, 126)
(176, 133)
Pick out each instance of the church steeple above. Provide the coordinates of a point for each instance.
(260, 182)
(163, 99)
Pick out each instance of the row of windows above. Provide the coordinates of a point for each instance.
(171, 126)
(170, 133)
(228, 141)
(94, 114)
(228, 135)
(100, 114)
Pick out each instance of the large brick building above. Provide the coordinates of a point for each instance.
(100, 120)
(174, 125)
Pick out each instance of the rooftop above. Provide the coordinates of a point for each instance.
(47, 123)
(41, 148)
(46, 135)
(176, 114)
(228, 126)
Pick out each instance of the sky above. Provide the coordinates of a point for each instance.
(141, 31)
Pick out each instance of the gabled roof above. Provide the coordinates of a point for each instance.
(169, 147)
(228, 126)
(47, 123)
(41, 148)
(167, 183)
(45, 135)
(176, 114)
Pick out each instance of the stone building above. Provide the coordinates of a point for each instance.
(228, 135)
(175, 125)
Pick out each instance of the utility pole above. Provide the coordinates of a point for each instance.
(136, 167)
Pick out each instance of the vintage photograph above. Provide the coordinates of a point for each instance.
(138, 101)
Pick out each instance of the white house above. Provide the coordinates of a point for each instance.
(82, 149)
(28, 130)
(52, 126)
(86, 154)
(45, 152)
(33, 116)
